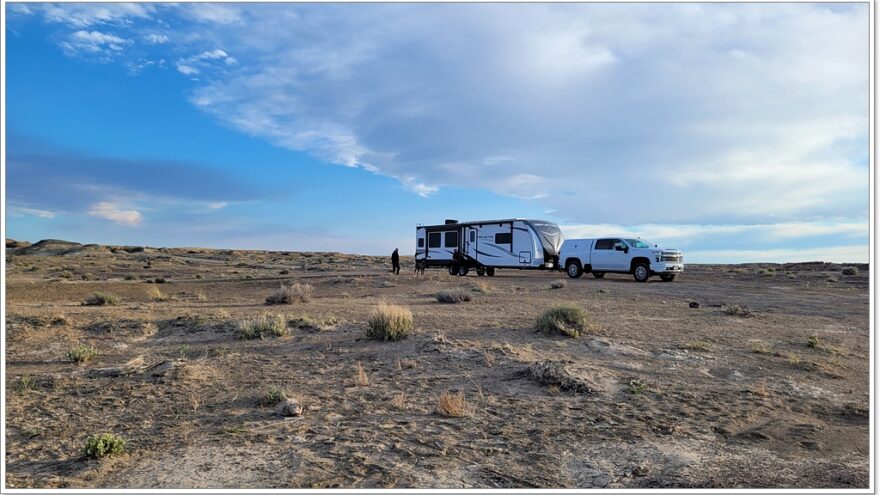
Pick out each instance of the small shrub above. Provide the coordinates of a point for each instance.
(82, 353)
(26, 383)
(637, 387)
(98, 446)
(483, 287)
(399, 401)
(389, 322)
(850, 271)
(157, 295)
(361, 379)
(314, 324)
(697, 345)
(565, 319)
(130, 277)
(558, 284)
(453, 405)
(793, 358)
(737, 310)
(832, 280)
(273, 396)
(453, 296)
(261, 326)
(768, 272)
(288, 294)
(101, 299)
(488, 358)
(761, 347)
(813, 342)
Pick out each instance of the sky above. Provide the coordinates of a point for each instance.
(735, 132)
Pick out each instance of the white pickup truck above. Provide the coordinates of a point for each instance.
(620, 255)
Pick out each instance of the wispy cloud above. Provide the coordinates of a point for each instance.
(22, 210)
(156, 39)
(193, 65)
(93, 42)
(116, 213)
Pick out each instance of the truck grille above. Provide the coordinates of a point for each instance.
(671, 258)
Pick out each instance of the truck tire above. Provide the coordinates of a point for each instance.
(667, 277)
(490, 271)
(573, 269)
(462, 270)
(642, 272)
(599, 274)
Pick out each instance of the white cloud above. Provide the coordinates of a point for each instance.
(116, 213)
(192, 65)
(93, 42)
(20, 210)
(156, 39)
(83, 15)
(213, 13)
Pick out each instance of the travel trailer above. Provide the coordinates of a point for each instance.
(486, 245)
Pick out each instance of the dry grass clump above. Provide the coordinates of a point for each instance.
(697, 345)
(105, 444)
(563, 319)
(262, 326)
(82, 353)
(101, 299)
(737, 310)
(288, 294)
(850, 271)
(813, 342)
(637, 387)
(399, 401)
(453, 405)
(314, 324)
(273, 396)
(360, 378)
(761, 347)
(554, 374)
(453, 296)
(558, 284)
(157, 295)
(483, 287)
(389, 322)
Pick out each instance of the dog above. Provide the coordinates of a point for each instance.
(420, 267)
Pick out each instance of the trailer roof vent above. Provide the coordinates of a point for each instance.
(450, 221)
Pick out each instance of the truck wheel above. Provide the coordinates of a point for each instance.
(667, 277)
(481, 272)
(462, 270)
(641, 272)
(490, 271)
(573, 269)
(599, 274)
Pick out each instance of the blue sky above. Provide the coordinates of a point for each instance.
(734, 132)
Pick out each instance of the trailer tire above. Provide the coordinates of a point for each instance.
(667, 277)
(641, 272)
(490, 271)
(453, 270)
(599, 274)
(481, 272)
(462, 270)
(573, 269)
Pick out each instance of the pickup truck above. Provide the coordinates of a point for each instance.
(620, 255)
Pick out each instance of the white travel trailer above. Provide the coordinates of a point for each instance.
(489, 244)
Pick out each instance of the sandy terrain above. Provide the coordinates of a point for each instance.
(659, 395)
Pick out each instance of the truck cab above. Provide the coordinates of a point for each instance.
(620, 255)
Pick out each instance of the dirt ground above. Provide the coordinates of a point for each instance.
(658, 394)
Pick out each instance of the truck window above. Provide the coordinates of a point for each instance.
(604, 244)
(505, 238)
(434, 240)
(451, 239)
(421, 242)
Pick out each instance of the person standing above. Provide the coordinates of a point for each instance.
(395, 262)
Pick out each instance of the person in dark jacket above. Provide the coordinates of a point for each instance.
(395, 262)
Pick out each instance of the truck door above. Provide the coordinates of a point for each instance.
(601, 257)
(619, 255)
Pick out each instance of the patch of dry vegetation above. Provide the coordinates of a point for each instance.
(263, 326)
(564, 319)
(453, 405)
(288, 294)
(453, 296)
(101, 299)
(82, 353)
(389, 322)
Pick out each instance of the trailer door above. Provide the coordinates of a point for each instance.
(470, 242)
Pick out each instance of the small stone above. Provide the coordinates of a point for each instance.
(290, 407)
(694, 304)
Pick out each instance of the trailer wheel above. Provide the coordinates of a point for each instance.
(598, 274)
(481, 272)
(453, 270)
(573, 269)
(490, 271)
(641, 272)
(462, 270)
(667, 277)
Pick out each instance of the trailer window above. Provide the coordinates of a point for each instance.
(505, 238)
(451, 239)
(421, 242)
(434, 240)
(473, 236)
(604, 244)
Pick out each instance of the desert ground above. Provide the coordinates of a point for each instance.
(764, 384)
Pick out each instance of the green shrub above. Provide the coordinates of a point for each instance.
(813, 342)
(101, 299)
(564, 319)
(98, 446)
(262, 326)
(389, 322)
(453, 296)
(82, 353)
(637, 387)
(850, 271)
